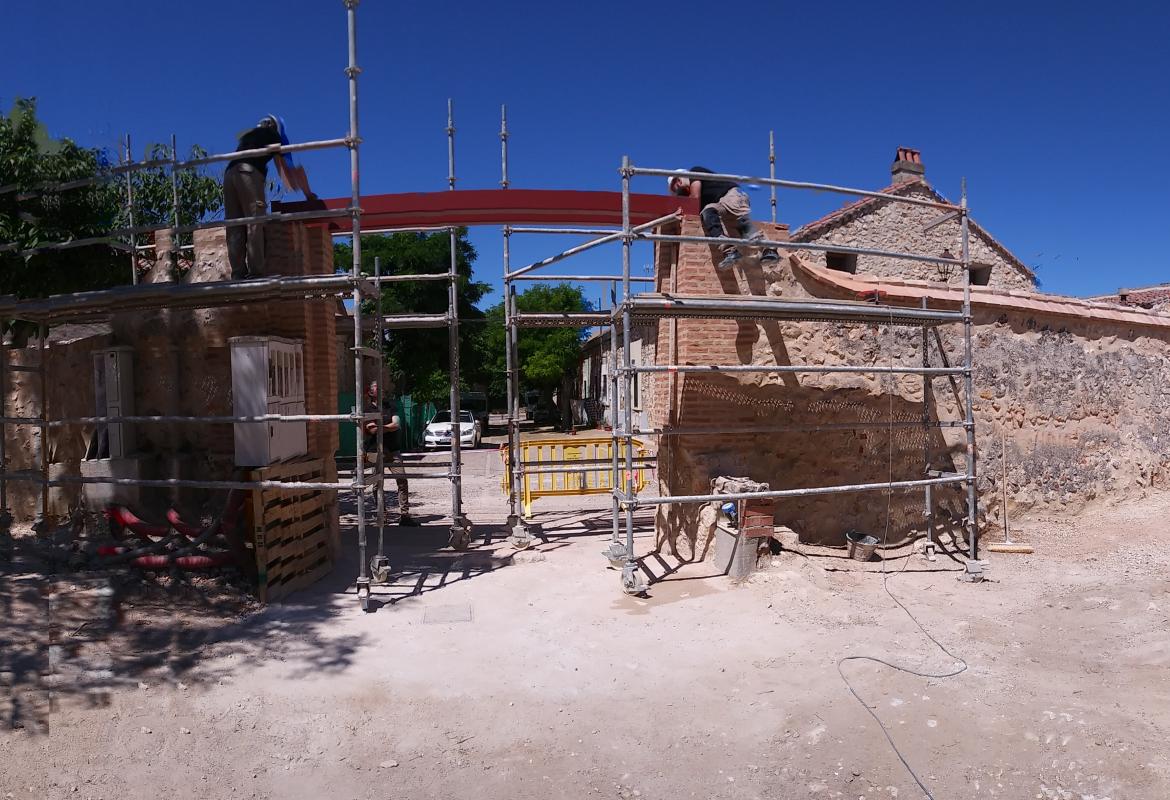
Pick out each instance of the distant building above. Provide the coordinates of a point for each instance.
(594, 377)
(1156, 298)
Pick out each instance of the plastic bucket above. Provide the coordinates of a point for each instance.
(861, 545)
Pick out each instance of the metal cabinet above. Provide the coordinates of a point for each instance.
(113, 389)
(268, 377)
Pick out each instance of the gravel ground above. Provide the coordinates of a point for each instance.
(492, 675)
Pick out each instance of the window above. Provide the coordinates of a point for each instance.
(842, 262)
(980, 274)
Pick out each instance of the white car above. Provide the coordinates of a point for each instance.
(438, 432)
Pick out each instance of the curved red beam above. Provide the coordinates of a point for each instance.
(496, 207)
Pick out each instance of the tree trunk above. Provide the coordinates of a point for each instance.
(565, 396)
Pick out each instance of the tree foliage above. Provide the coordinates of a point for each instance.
(548, 357)
(418, 360)
(29, 157)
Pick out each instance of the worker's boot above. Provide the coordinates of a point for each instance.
(769, 256)
(404, 518)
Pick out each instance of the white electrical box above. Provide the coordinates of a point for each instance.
(268, 377)
(113, 390)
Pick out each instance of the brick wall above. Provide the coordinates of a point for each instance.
(689, 269)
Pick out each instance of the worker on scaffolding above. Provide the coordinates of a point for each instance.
(727, 211)
(244, 195)
(391, 453)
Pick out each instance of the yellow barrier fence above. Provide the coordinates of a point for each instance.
(594, 476)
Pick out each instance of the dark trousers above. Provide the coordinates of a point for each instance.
(243, 196)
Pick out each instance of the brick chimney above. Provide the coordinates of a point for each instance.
(907, 166)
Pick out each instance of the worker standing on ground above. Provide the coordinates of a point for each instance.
(243, 194)
(725, 208)
(391, 453)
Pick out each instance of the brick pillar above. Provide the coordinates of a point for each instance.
(686, 463)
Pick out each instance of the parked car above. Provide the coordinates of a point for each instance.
(438, 430)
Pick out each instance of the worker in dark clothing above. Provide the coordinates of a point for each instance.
(243, 194)
(391, 453)
(726, 212)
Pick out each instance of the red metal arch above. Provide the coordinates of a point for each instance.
(496, 207)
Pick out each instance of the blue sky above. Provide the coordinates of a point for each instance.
(1057, 114)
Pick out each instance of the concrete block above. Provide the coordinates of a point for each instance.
(100, 495)
(735, 554)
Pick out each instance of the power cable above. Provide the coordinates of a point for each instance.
(962, 667)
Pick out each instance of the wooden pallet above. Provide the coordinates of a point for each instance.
(290, 529)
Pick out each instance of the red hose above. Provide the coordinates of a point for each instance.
(122, 517)
(184, 562)
(180, 526)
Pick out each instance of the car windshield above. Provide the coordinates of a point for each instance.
(445, 416)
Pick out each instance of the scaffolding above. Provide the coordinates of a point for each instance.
(630, 306)
(627, 306)
(353, 285)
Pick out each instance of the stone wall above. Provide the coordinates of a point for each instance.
(899, 227)
(1080, 402)
(70, 393)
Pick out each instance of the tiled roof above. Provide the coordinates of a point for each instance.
(1145, 296)
(806, 233)
(908, 291)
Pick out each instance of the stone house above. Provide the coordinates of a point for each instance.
(1071, 400)
(594, 377)
(879, 224)
(1151, 297)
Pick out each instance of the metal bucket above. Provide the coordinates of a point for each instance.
(861, 545)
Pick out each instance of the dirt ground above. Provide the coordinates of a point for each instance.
(483, 675)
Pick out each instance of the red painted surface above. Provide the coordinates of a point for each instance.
(547, 207)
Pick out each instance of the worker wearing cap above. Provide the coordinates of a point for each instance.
(243, 194)
(726, 212)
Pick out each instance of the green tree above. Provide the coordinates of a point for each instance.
(418, 360)
(30, 157)
(548, 357)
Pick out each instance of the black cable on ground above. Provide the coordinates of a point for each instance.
(885, 585)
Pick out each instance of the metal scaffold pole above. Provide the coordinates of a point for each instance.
(522, 534)
(510, 368)
(130, 215)
(380, 564)
(352, 71)
(519, 534)
(175, 244)
(969, 381)
(460, 537)
(617, 553)
(43, 438)
(928, 491)
(504, 147)
(632, 580)
(772, 169)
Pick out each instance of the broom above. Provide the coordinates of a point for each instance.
(1007, 545)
